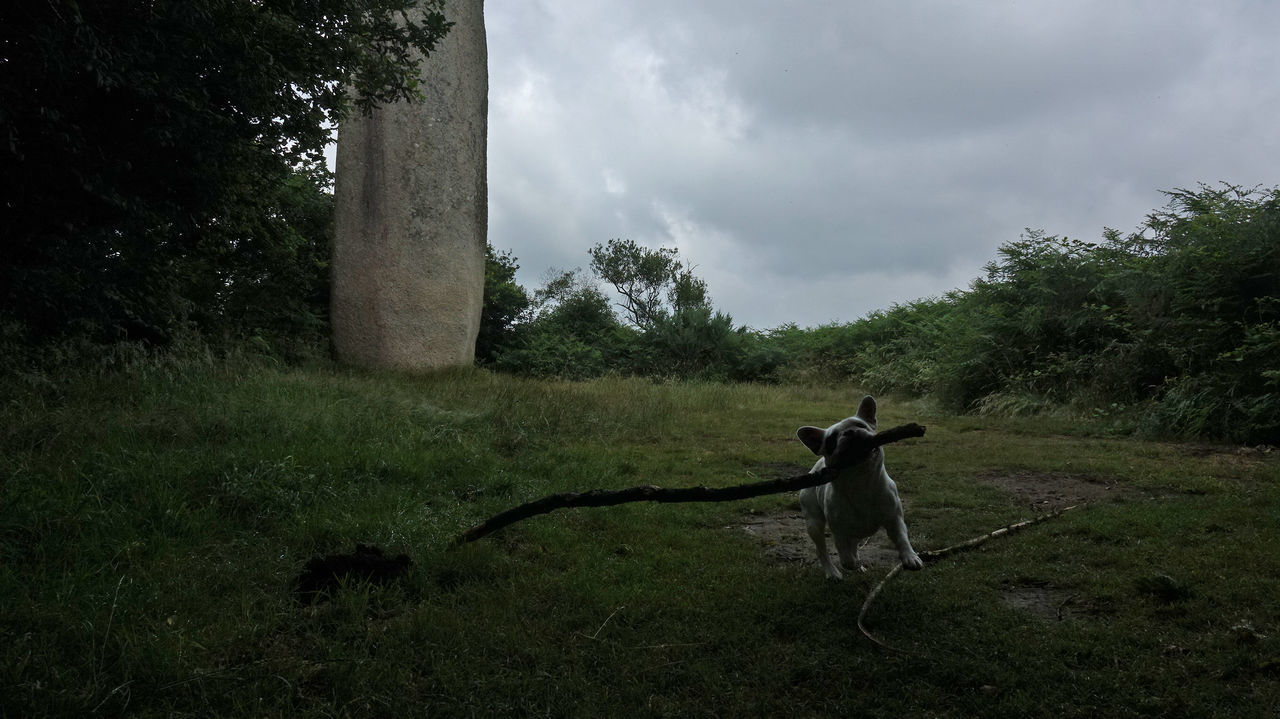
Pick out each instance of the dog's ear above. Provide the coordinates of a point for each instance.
(867, 410)
(812, 438)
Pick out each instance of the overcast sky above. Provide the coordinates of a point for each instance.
(820, 160)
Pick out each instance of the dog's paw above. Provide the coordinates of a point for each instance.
(832, 573)
(912, 562)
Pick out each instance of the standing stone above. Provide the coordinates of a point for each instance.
(411, 215)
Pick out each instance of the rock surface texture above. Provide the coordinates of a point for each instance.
(411, 214)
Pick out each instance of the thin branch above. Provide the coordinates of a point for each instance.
(602, 625)
(852, 447)
(875, 592)
(935, 555)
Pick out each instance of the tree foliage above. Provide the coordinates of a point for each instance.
(505, 304)
(161, 163)
(570, 329)
(654, 283)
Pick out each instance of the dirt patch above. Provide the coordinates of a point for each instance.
(1049, 491)
(1047, 602)
(324, 576)
(1224, 454)
(782, 536)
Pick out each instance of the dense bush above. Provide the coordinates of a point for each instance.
(700, 343)
(566, 329)
(1181, 319)
(569, 328)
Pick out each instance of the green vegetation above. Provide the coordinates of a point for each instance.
(174, 446)
(162, 169)
(1173, 330)
(569, 329)
(152, 519)
(221, 239)
(1178, 323)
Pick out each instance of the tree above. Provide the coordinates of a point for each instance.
(653, 283)
(143, 146)
(570, 304)
(505, 304)
(571, 332)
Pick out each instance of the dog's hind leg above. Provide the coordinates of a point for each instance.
(818, 533)
(848, 551)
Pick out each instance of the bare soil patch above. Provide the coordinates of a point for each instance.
(1051, 491)
(782, 536)
(1228, 455)
(1047, 602)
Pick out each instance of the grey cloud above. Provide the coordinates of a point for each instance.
(792, 145)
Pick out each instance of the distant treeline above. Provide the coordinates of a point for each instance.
(1176, 325)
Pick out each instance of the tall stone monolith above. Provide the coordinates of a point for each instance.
(411, 214)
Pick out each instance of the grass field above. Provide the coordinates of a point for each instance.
(152, 522)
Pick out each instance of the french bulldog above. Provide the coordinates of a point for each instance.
(858, 502)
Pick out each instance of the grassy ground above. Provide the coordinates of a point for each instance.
(151, 523)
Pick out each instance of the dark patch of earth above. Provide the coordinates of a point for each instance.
(1047, 602)
(1051, 491)
(1244, 454)
(783, 537)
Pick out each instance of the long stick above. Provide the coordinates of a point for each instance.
(933, 556)
(853, 445)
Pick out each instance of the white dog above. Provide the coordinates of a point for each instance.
(858, 502)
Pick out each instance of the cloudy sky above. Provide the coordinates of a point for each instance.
(820, 160)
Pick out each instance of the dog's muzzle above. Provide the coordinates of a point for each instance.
(852, 447)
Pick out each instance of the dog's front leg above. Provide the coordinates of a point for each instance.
(897, 531)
